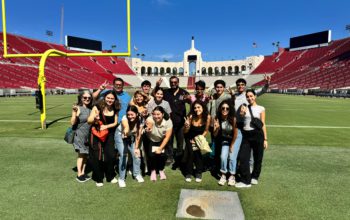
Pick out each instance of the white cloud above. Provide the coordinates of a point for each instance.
(162, 2)
(166, 56)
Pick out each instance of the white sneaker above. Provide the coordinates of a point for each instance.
(114, 180)
(121, 183)
(198, 180)
(188, 179)
(254, 182)
(231, 181)
(222, 181)
(242, 185)
(139, 179)
(99, 184)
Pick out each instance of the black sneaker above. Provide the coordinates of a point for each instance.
(87, 177)
(81, 179)
(169, 161)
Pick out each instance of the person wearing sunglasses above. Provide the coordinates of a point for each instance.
(212, 106)
(80, 114)
(225, 131)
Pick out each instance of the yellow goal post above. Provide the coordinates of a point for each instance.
(58, 53)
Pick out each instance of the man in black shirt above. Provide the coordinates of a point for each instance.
(177, 99)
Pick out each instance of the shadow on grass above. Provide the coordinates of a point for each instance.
(54, 121)
(38, 112)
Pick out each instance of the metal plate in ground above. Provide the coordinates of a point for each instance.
(205, 204)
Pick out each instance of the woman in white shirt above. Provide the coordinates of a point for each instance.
(254, 138)
(158, 130)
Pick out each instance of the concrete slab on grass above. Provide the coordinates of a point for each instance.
(209, 204)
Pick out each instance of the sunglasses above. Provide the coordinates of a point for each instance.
(225, 108)
(86, 98)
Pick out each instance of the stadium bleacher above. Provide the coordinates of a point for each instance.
(325, 67)
(318, 68)
(61, 72)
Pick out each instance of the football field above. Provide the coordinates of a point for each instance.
(305, 171)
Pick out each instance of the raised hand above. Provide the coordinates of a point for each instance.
(148, 127)
(187, 122)
(75, 108)
(159, 81)
(267, 79)
(97, 115)
(103, 85)
(216, 123)
(230, 91)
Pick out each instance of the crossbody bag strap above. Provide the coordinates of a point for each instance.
(250, 110)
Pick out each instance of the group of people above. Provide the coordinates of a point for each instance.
(112, 127)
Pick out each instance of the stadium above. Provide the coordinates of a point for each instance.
(321, 67)
(305, 169)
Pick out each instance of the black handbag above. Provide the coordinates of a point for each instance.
(69, 136)
(70, 133)
(255, 122)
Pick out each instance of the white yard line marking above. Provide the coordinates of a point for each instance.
(308, 126)
(271, 126)
(30, 121)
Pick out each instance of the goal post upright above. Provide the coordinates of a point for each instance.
(58, 53)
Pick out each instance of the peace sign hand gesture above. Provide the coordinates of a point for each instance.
(187, 122)
(103, 85)
(216, 124)
(267, 79)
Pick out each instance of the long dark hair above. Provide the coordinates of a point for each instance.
(231, 113)
(134, 109)
(80, 96)
(102, 103)
(204, 107)
(161, 109)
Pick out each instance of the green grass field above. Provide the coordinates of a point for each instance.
(305, 170)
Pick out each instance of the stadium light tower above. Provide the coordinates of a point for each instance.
(347, 27)
(49, 34)
(276, 44)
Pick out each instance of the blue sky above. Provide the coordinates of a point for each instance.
(223, 29)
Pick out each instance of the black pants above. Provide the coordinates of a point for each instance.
(252, 141)
(155, 161)
(179, 135)
(193, 157)
(102, 159)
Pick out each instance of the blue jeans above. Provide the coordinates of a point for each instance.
(230, 157)
(123, 145)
